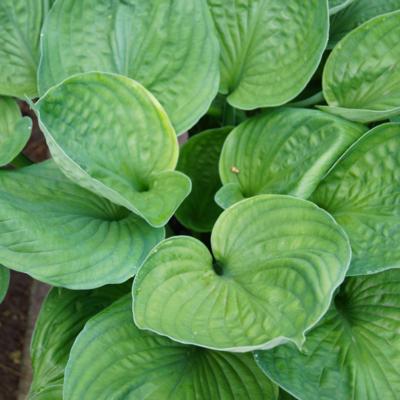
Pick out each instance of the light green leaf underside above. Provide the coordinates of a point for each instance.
(287, 151)
(269, 49)
(14, 130)
(338, 5)
(64, 235)
(62, 316)
(20, 24)
(4, 282)
(362, 193)
(120, 145)
(168, 46)
(131, 364)
(199, 160)
(356, 14)
(353, 353)
(279, 260)
(362, 74)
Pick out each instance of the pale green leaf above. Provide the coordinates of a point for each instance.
(353, 353)
(338, 5)
(269, 49)
(20, 25)
(62, 316)
(112, 359)
(14, 130)
(199, 160)
(111, 136)
(61, 234)
(287, 151)
(361, 78)
(4, 282)
(356, 14)
(168, 46)
(362, 193)
(275, 263)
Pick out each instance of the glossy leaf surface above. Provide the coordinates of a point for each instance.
(14, 130)
(134, 364)
(199, 159)
(64, 235)
(20, 25)
(286, 152)
(275, 263)
(126, 153)
(269, 49)
(353, 353)
(362, 193)
(168, 46)
(361, 79)
(62, 316)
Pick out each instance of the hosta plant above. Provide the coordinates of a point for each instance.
(220, 214)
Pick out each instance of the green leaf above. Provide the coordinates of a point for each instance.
(20, 25)
(361, 78)
(353, 353)
(62, 316)
(61, 234)
(14, 130)
(362, 193)
(396, 119)
(121, 145)
(4, 282)
(356, 14)
(168, 46)
(338, 5)
(287, 151)
(199, 160)
(269, 50)
(276, 262)
(111, 358)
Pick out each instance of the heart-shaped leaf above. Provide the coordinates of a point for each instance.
(62, 316)
(361, 79)
(199, 160)
(287, 151)
(353, 353)
(134, 364)
(276, 262)
(4, 282)
(64, 235)
(362, 193)
(338, 5)
(126, 154)
(357, 13)
(14, 130)
(168, 46)
(20, 25)
(269, 49)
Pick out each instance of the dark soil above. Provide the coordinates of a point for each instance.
(13, 325)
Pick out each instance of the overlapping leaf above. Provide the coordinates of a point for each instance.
(62, 316)
(362, 193)
(61, 234)
(134, 364)
(20, 25)
(338, 5)
(361, 79)
(168, 46)
(357, 13)
(199, 160)
(353, 353)
(287, 151)
(269, 49)
(275, 264)
(4, 282)
(121, 145)
(14, 130)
